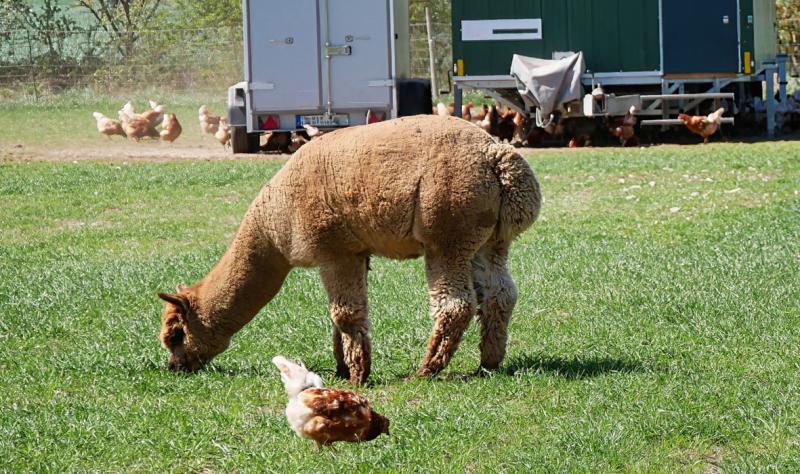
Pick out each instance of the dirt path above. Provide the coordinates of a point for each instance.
(118, 150)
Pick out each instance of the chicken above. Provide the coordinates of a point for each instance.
(126, 110)
(313, 131)
(625, 129)
(208, 123)
(522, 126)
(223, 133)
(298, 139)
(326, 415)
(466, 111)
(170, 128)
(703, 126)
(154, 116)
(108, 126)
(506, 125)
(481, 114)
(442, 111)
(490, 120)
(135, 126)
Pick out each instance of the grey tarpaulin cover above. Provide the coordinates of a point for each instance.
(546, 83)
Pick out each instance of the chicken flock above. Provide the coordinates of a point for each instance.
(510, 126)
(504, 123)
(157, 124)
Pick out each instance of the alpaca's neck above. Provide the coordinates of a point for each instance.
(247, 277)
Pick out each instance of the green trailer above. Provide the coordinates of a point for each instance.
(675, 53)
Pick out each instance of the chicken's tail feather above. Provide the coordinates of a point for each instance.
(295, 377)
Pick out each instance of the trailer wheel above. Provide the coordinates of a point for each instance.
(243, 142)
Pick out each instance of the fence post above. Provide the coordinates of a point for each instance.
(31, 69)
(431, 55)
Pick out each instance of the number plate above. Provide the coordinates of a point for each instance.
(336, 120)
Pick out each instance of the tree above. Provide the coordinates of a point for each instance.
(122, 20)
(47, 25)
(789, 29)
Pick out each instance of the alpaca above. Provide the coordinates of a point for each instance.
(425, 185)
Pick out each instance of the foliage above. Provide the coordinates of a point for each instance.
(206, 14)
(122, 20)
(49, 24)
(440, 10)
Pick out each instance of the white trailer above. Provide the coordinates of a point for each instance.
(325, 63)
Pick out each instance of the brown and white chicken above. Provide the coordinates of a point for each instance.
(170, 128)
(135, 126)
(208, 123)
(154, 116)
(326, 415)
(703, 126)
(625, 130)
(223, 134)
(108, 126)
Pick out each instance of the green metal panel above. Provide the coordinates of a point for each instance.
(615, 35)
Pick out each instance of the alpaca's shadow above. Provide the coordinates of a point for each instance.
(575, 368)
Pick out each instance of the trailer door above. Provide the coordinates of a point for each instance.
(360, 77)
(700, 36)
(284, 60)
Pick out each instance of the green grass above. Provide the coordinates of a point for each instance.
(646, 338)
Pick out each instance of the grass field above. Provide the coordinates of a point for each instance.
(657, 328)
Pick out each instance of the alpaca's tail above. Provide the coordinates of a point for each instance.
(520, 195)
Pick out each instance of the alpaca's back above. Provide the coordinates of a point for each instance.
(389, 189)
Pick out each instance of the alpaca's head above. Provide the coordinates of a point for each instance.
(183, 334)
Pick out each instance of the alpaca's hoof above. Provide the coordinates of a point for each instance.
(427, 372)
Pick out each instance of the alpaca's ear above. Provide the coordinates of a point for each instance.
(179, 300)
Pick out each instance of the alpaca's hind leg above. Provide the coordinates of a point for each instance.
(345, 281)
(452, 306)
(497, 296)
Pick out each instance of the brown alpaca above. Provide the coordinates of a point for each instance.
(426, 185)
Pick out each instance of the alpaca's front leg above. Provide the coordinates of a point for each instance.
(345, 281)
(453, 304)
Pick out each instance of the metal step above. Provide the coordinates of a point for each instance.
(707, 95)
(725, 120)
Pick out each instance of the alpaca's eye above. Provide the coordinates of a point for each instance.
(176, 338)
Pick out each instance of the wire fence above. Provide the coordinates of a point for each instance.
(443, 53)
(789, 42)
(39, 63)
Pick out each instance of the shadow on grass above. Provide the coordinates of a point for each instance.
(571, 369)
